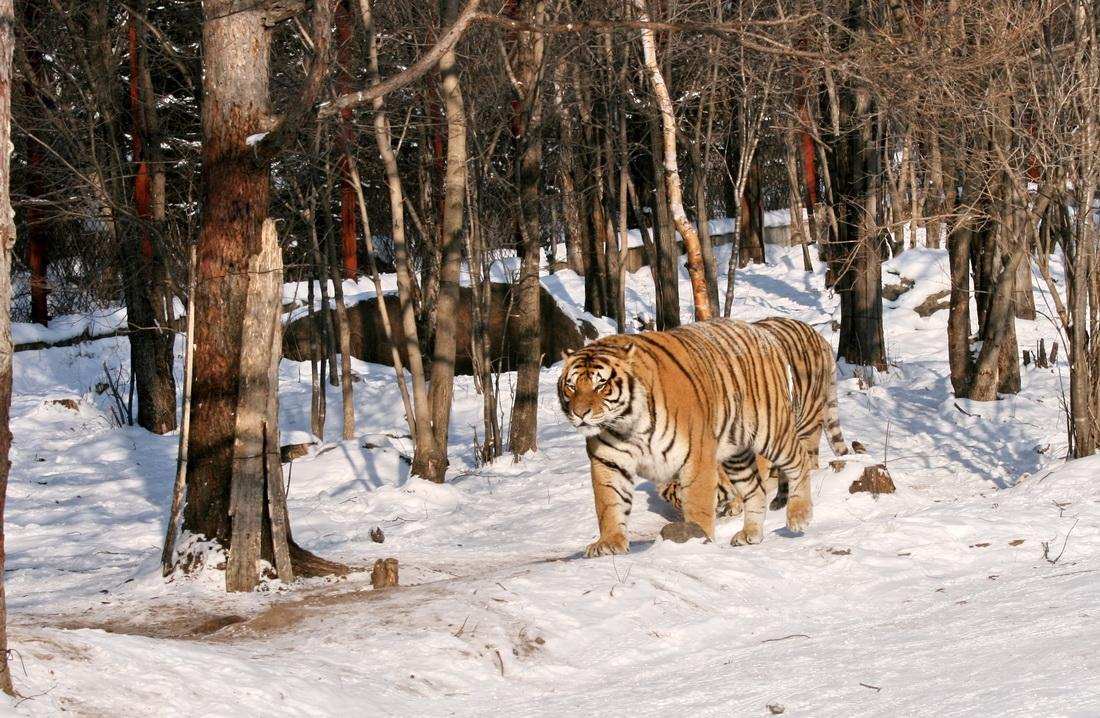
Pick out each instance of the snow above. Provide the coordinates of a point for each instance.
(937, 599)
(70, 326)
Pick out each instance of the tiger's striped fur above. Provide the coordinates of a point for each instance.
(812, 371)
(688, 405)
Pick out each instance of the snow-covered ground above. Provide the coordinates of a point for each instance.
(971, 591)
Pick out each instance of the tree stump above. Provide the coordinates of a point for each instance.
(376, 535)
(875, 480)
(384, 573)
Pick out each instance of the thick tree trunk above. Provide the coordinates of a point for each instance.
(7, 242)
(528, 127)
(233, 452)
(857, 155)
(998, 334)
(235, 202)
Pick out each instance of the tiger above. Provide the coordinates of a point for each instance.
(689, 404)
(813, 393)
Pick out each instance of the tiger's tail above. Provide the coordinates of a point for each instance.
(832, 414)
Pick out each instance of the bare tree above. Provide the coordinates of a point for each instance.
(673, 185)
(7, 241)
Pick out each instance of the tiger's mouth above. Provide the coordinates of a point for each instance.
(585, 429)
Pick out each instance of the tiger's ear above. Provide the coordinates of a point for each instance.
(566, 353)
(631, 352)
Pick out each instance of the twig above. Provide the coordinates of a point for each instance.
(876, 689)
(976, 416)
(783, 638)
(1046, 546)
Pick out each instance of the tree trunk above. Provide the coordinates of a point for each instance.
(259, 523)
(7, 242)
(665, 265)
(935, 200)
(34, 218)
(149, 306)
(672, 183)
(857, 154)
(432, 465)
(348, 245)
(958, 318)
(419, 418)
(751, 218)
(528, 126)
(575, 229)
(343, 334)
(998, 333)
(798, 226)
(235, 105)
(702, 220)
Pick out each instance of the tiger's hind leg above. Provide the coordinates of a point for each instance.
(729, 501)
(794, 463)
(748, 482)
(811, 441)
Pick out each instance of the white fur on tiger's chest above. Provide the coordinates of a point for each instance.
(659, 467)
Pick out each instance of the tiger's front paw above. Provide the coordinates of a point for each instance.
(745, 537)
(607, 546)
(799, 514)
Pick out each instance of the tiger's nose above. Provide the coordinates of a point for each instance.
(581, 416)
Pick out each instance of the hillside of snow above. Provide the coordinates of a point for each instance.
(972, 590)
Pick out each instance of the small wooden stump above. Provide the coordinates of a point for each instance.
(875, 480)
(376, 535)
(384, 573)
(682, 532)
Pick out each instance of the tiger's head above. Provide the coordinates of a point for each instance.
(596, 387)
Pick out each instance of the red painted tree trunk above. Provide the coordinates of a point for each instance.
(38, 235)
(348, 221)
